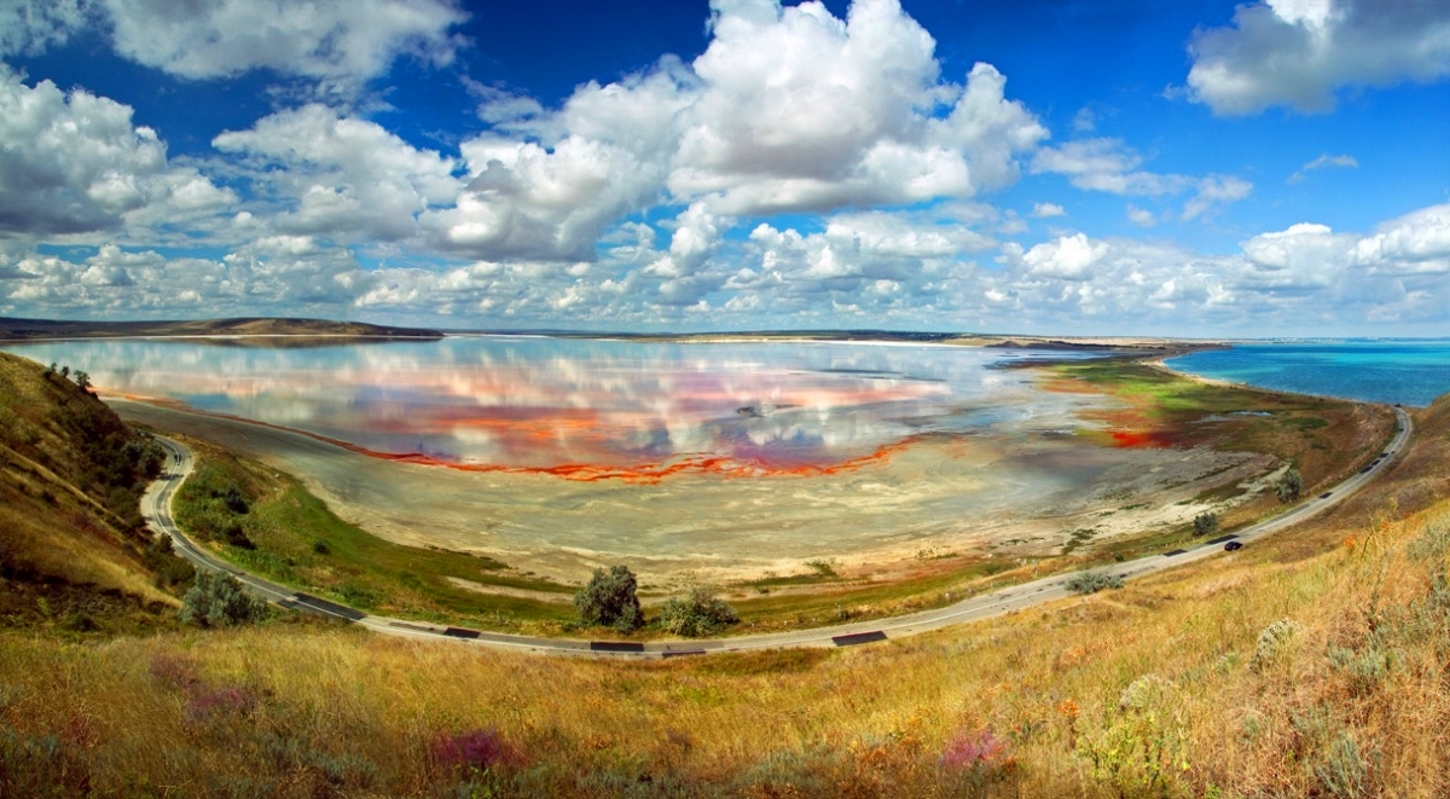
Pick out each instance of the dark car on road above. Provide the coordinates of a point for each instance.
(1233, 546)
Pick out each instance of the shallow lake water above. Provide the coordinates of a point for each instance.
(687, 461)
(560, 404)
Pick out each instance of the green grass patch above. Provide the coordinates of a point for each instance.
(282, 532)
(851, 602)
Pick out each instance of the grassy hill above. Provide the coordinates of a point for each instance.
(1313, 663)
(22, 329)
(73, 552)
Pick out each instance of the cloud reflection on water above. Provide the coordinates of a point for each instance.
(582, 407)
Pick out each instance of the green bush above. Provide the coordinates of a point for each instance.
(1205, 524)
(170, 570)
(218, 600)
(700, 613)
(610, 600)
(1290, 486)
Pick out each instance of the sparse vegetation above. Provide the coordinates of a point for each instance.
(270, 524)
(699, 613)
(1091, 582)
(74, 556)
(823, 568)
(218, 600)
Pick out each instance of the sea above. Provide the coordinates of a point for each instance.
(1409, 372)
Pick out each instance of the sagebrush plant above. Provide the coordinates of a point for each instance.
(1273, 639)
(699, 613)
(216, 599)
(1090, 582)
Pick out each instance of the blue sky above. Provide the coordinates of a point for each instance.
(1193, 168)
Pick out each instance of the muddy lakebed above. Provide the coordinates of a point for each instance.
(714, 461)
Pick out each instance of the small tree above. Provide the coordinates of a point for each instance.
(218, 600)
(1205, 524)
(699, 613)
(1290, 486)
(83, 380)
(610, 600)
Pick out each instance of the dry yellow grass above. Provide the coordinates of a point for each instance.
(72, 551)
(1311, 664)
(1162, 688)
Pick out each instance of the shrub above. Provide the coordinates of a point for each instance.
(1345, 771)
(1205, 524)
(699, 613)
(611, 600)
(232, 497)
(218, 600)
(1290, 486)
(1272, 642)
(1089, 582)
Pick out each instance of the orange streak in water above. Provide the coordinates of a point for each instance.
(645, 473)
(650, 473)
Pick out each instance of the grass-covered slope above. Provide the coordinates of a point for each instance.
(73, 551)
(268, 523)
(1309, 664)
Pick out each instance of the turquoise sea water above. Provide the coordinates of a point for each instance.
(1404, 372)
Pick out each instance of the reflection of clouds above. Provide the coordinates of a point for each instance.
(545, 402)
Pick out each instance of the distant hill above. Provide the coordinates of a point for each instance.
(22, 329)
(73, 550)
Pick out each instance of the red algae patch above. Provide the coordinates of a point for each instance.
(652, 472)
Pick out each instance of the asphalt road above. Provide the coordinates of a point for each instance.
(156, 507)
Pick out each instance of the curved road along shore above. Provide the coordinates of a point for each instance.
(156, 507)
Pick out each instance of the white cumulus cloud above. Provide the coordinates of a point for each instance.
(1066, 257)
(1299, 53)
(789, 109)
(1416, 243)
(343, 40)
(340, 176)
(27, 27)
(74, 163)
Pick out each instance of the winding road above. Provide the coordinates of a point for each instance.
(156, 507)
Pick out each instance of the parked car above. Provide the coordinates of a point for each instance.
(1233, 546)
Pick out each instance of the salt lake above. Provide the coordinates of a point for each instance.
(712, 461)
